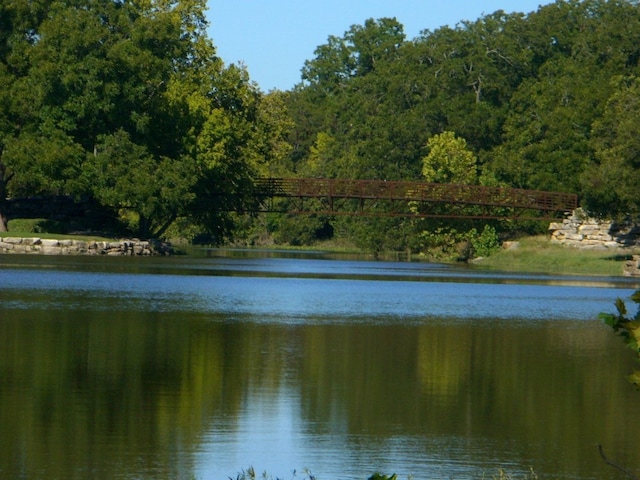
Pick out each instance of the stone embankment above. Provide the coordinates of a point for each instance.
(45, 246)
(582, 231)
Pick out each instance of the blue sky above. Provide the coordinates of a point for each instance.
(273, 38)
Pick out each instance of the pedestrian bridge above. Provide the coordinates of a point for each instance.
(408, 199)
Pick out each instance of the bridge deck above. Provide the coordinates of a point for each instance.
(520, 203)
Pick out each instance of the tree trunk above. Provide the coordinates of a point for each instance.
(4, 205)
(4, 223)
(144, 227)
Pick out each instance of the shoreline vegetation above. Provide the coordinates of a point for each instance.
(533, 254)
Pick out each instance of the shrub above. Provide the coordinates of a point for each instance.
(485, 243)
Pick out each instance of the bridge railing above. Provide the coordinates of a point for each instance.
(494, 202)
(421, 192)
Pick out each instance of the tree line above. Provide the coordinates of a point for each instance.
(126, 102)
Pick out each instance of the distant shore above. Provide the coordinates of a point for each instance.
(534, 254)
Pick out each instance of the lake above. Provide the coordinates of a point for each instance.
(202, 366)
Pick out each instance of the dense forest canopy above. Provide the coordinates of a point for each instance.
(126, 102)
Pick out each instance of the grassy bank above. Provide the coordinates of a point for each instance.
(39, 228)
(538, 255)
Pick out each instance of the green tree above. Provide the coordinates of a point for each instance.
(611, 181)
(546, 143)
(270, 147)
(449, 161)
(88, 71)
(149, 192)
(127, 102)
(332, 67)
(349, 94)
(356, 54)
(228, 138)
(472, 71)
(375, 42)
(321, 153)
(19, 22)
(484, 243)
(578, 46)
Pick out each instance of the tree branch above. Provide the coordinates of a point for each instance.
(629, 474)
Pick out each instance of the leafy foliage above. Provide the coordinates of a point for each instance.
(617, 152)
(531, 98)
(379, 476)
(628, 327)
(449, 160)
(486, 242)
(126, 102)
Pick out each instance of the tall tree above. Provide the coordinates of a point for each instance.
(19, 23)
(128, 103)
(611, 181)
(356, 54)
(90, 70)
(548, 130)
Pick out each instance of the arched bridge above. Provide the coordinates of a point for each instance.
(409, 199)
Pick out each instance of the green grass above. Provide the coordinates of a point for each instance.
(57, 236)
(538, 255)
(36, 228)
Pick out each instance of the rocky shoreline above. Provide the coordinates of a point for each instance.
(45, 246)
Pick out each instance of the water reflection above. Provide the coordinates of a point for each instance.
(155, 375)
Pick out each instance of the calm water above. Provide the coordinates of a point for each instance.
(174, 368)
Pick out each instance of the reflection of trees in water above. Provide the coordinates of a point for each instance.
(501, 384)
(109, 391)
(112, 390)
